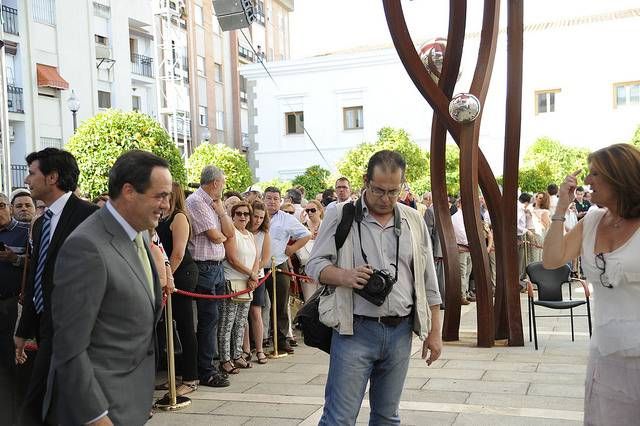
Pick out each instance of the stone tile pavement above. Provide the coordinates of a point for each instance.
(467, 386)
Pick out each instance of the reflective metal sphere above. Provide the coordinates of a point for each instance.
(432, 56)
(464, 108)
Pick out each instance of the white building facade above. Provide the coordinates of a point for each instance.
(581, 86)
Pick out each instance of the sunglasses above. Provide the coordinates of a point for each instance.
(310, 210)
(601, 264)
(245, 214)
(287, 211)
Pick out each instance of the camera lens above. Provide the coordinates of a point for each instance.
(376, 284)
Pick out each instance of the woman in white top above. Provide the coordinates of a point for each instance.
(541, 221)
(240, 265)
(260, 228)
(608, 241)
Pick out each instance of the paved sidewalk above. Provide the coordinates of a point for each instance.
(468, 385)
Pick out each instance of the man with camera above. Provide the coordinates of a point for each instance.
(385, 287)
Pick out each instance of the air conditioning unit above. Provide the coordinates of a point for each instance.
(234, 14)
(103, 52)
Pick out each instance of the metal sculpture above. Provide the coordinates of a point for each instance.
(435, 74)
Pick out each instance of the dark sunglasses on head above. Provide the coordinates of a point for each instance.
(286, 211)
(310, 210)
(246, 214)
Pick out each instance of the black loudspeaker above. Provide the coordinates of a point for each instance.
(234, 14)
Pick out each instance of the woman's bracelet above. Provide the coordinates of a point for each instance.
(558, 218)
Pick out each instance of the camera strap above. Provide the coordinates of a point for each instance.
(364, 256)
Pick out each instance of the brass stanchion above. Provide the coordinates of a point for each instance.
(274, 313)
(171, 401)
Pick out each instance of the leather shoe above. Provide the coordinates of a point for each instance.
(471, 298)
(285, 348)
(464, 301)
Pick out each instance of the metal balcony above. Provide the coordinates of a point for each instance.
(142, 65)
(14, 99)
(10, 20)
(18, 173)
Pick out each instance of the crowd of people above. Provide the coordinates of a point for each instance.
(71, 313)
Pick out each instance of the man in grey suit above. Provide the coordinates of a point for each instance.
(106, 302)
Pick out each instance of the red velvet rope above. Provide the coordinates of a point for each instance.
(300, 277)
(221, 296)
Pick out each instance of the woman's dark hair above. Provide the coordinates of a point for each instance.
(525, 197)
(133, 167)
(60, 161)
(259, 205)
(239, 204)
(546, 201)
(619, 166)
(387, 160)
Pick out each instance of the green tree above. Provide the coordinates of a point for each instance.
(635, 141)
(314, 180)
(231, 161)
(535, 178)
(100, 140)
(354, 165)
(561, 159)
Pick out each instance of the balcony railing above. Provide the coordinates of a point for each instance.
(10, 20)
(142, 65)
(243, 52)
(18, 173)
(14, 99)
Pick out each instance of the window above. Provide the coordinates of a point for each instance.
(44, 11)
(200, 65)
(546, 101)
(219, 120)
(243, 89)
(352, 117)
(198, 14)
(626, 93)
(295, 122)
(260, 12)
(101, 10)
(202, 115)
(136, 103)
(104, 99)
(218, 72)
(102, 40)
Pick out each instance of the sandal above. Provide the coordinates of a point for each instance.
(246, 355)
(186, 388)
(261, 359)
(233, 370)
(216, 381)
(241, 363)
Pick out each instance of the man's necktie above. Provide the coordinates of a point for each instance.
(144, 260)
(38, 294)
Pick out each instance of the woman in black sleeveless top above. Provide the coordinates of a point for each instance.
(174, 232)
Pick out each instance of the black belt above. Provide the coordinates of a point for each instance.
(391, 320)
(210, 262)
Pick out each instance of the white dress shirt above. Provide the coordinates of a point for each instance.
(56, 208)
(458, 228)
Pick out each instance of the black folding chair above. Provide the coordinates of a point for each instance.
(549, 283)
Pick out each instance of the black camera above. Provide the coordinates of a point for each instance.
(378, 287)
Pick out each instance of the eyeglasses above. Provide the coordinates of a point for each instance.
(245, 214)
(601, 264)
(310, 210)
(379, 192)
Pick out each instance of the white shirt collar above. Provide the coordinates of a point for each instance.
(131, 233)
(58, 205)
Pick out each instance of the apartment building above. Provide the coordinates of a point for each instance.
(165, 58)
(218, 92)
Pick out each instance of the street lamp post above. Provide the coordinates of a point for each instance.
(74, 105)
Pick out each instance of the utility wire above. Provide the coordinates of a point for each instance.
(304, 129)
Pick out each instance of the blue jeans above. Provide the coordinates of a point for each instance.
(377, 353)
(210, 281)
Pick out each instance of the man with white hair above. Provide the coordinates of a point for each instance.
(210, 226)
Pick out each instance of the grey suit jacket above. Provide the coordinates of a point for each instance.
(103, 319)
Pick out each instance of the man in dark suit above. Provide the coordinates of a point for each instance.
(107, 300)
(53, 176)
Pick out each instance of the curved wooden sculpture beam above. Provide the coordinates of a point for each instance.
(510, 168)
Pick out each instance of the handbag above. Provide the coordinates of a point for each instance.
(240, 285)
(162, 337)
(314, 332)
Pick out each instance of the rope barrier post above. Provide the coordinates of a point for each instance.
(274, 313)
(171, 401)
